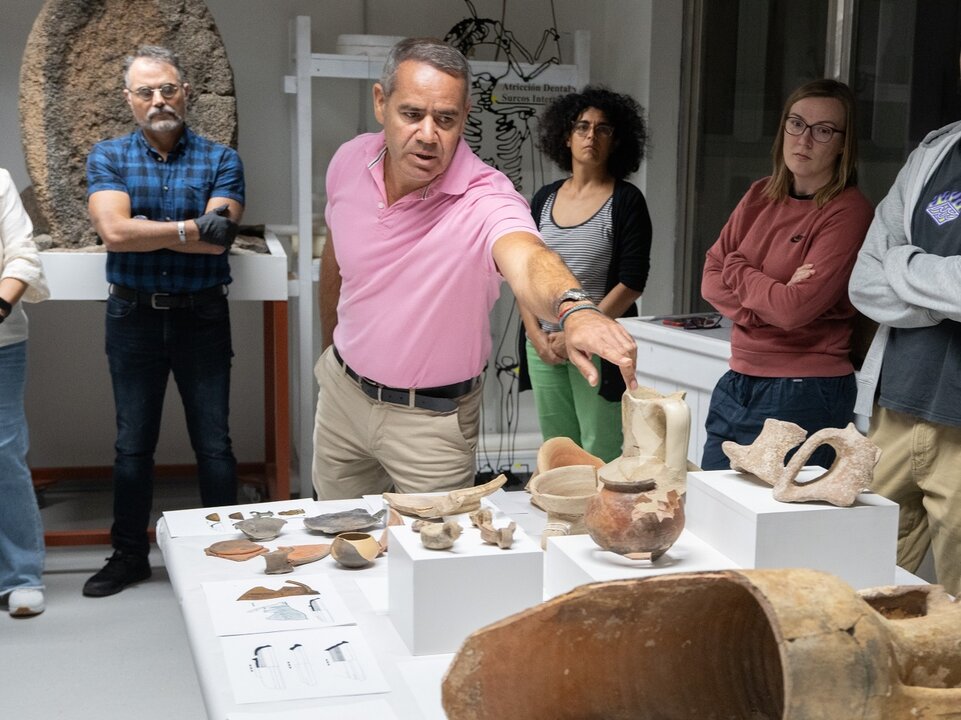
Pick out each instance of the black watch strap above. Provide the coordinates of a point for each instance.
(6, 307)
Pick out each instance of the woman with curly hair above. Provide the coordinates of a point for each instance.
(599, 224)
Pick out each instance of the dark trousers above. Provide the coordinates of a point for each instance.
(741, 403)
(144, 346)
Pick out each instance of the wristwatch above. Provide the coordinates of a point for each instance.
(572, 295)
(6, 307)
(182, 232)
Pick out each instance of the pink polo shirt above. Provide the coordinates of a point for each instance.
(418, 277)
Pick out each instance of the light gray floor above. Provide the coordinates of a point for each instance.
(124, 656)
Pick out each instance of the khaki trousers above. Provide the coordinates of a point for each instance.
(920, 470)
(363, 446)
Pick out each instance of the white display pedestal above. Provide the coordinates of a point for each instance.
(83, 275)
(738, 516)
(573, 560)
(439, 597)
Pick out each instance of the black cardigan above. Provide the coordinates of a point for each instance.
(630, 264)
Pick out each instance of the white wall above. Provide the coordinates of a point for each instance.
(635, 49)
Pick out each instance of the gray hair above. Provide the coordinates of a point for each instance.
(432, 51)
(157, 54)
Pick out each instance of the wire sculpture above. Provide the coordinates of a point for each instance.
(513, 123)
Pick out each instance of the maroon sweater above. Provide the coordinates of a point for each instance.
(779, 331)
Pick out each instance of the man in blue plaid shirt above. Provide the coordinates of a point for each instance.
(166, 203)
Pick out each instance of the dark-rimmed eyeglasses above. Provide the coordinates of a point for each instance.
(821, 133)
(166, 91)
(694, 322)
(583, 127)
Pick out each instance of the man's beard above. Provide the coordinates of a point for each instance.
(170, 122)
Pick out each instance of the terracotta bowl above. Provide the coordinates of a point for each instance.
(563, 493)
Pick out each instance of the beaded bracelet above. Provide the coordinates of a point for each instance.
(571, 310)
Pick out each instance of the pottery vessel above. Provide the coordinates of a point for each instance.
(563, 492)
(561, 452)
(656, 425)
(746, 644)
(640, 515)
(639, 511)
(354, 549)
(261, 528)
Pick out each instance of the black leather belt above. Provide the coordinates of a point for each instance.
(439, 399)
(169, 301)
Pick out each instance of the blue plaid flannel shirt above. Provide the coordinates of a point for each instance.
(196, 170)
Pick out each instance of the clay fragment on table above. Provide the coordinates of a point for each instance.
(850, 473)
(290, 588)
(764, 458)
(440, 536)
(462, 500)
(295, 511)
(237, 550)
(303, 554)
(277, 563)
(502, 537)
(261, 528)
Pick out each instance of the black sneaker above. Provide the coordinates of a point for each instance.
(122, 569)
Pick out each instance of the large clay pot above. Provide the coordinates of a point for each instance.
(563, 492)
(640, 514)
(744, 644)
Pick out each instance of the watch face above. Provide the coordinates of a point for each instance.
(573, 295)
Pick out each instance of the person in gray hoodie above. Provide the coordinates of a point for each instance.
(908, 279)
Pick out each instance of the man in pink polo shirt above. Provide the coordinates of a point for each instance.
(421, 232)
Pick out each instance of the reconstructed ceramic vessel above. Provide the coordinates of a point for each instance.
(354, 549)
(564, 492)
(641, 515)
(745, 644)
(639, 511)
(562, 452)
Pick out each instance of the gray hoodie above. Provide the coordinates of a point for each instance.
(895, 283)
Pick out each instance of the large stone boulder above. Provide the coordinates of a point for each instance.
(71, 91)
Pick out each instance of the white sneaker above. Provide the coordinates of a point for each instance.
(26, 602)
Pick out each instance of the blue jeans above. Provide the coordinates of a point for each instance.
(21, 530)
(143, 347)
(741, 403)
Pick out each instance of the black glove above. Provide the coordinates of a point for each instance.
(217, 228)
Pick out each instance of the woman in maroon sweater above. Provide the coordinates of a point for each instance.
(780, 270)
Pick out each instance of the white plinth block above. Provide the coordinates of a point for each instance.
(439, 597)
(573, 560)
(738, 515)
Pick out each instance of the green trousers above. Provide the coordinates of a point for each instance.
(568, 407)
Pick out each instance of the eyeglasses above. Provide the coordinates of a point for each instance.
(694, 322)
(820, 133)
(166, 91)
(582, 127)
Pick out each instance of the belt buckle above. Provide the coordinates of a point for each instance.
(153, 301)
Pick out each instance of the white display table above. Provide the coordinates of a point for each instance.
(414, 682)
